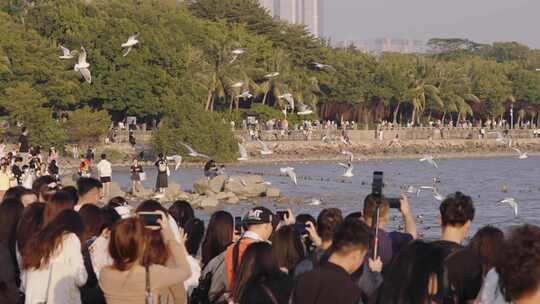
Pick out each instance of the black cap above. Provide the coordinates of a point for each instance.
(258, 215)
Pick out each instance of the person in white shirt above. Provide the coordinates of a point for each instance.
(52, 265)
(105, 175)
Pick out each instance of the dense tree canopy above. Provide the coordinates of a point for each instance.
(185, 60)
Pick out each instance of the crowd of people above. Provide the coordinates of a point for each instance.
(63, 245)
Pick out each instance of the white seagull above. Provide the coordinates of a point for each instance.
(66, 53)
(512, 202)
(236, 53)
(177, 159)
(289, 98)
(321, 66)
(290, 172)
(82, 66)
(348, 169)
(436, 193)
(194, 153)
(245, 94)
(315, 202)
(522, 155)
(429, 159)
(243, 152)
(264, 148)
(237, 85)
(303, 110)
(130, 43)
(349, 154)
(271, 75)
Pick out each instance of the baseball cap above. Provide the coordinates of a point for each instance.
(258, 215)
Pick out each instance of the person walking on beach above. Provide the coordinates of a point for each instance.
(137, 176)
(105, 174)
(161, 181)
(24, 147)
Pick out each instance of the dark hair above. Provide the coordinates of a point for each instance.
(43, 244)
(370, 205)
(31, 222)
(40, 185)
(109, 217)
(487, 244)
(71, 190)
(86, 184)
(327, 223)
(117, 201)
(59, 202)
(219, 235)
(93, 222)
(11, 211)
(155, 250)
(350, 235)
(353, 215)
(303, 218)
(257, 263)
(519, 266)
(182, 212)
(17, 193)
(126, 244)
(103, 156)
(406, 280)
(456, 210)
(287, 248)
(195, 232)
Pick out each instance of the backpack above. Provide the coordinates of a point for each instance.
(162, 166)
(200, 295)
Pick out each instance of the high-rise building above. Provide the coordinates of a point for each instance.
(268, 5)
(306, 12)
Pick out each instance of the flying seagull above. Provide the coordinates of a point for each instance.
(66, 53)
(303, 110)
(289, 98)
(177, 159)
(132, 41)
(349, 154)
(82, 66)
(237, 85)
(243, 152)
(429, 159)
(245, 94)
(236, 54)
(500, 138)
(315, 202)
(436, 193)
(194, 153)
(290, 172)
(348, 169)
(271, 75)
(321, 66)
(264, 148)
(522, 155)
(512, 203)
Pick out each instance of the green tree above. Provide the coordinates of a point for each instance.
(87, 126)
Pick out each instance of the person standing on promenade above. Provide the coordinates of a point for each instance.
(162, 177)
(105, 174)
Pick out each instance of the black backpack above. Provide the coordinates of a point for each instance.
(200, 295)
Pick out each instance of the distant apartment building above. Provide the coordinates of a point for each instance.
(385, 45)
(306, 12)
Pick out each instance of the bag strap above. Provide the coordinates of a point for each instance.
(270, 294)
(48, 283)
(148, 289)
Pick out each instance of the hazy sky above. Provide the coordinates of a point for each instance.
(478, 20)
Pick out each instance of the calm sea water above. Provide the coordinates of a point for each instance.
(483, 179)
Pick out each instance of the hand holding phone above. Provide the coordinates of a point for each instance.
(152, 219)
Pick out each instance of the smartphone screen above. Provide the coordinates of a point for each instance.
(281, 215)
(377, 184)
(301, 228)
(150, 219)
(238, 223)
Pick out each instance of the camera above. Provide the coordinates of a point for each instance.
(376, 189)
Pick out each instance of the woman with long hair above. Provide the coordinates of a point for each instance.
(31, 222)
(259, 280)
(412, 277)
(126, 280)
(287, 248)
(10, 212)
(162, 176)
(52, 262)
(195, 232)
(487, 244)
(137, 176)
(182, 212)
(219, 235)
(58, 202)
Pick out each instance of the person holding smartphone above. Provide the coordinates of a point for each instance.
(127, 280)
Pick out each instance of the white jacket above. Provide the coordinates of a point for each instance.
(63, 276)
(104, 168)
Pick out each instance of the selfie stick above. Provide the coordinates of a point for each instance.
(375, 223)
